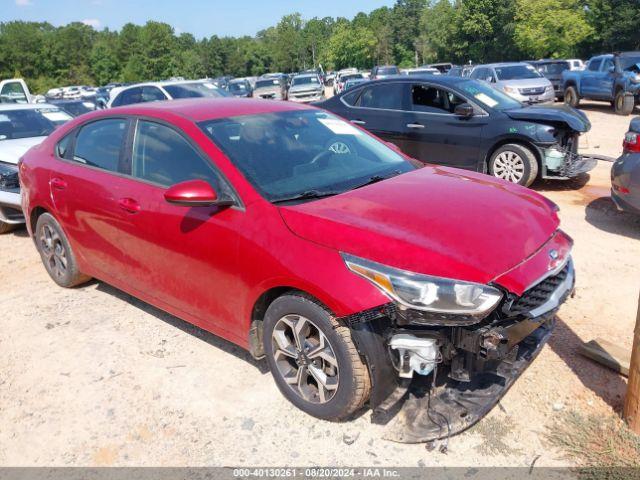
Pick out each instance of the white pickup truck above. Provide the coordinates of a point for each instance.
(15, 90)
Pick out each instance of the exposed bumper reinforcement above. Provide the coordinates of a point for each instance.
(462, 403)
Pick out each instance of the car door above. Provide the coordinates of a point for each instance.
(606, 79)
(589, 79)
(436, 135)
(381, 109)
(87, 186)
(183, 257)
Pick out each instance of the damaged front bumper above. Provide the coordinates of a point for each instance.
(562, 164)
(477, 363)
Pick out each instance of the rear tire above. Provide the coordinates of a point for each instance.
(571, 97)
(56, 253)
(623, 103)
(321, 354)
(514, 163)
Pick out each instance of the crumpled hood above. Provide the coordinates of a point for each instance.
(12, 150)
(436, 220)
(575, 119)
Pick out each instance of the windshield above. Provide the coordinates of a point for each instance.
(355, 76)
(34, 122)
(553, 68)
(195, 90)
(305, 81)
(388, 71)
(287, 154)
(488, 96)
(516, 72)
(631, 63)
(268, 83)
(238, 87)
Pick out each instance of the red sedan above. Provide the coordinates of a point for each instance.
(306, 240)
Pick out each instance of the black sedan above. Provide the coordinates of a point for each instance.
(467, 124)
(625, 173)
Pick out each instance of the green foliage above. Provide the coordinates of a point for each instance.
(409, 33)
(550, 28)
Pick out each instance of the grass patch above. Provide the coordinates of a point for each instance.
(602, 446)
(494, 432)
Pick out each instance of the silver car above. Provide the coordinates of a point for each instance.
(271, 88)
(306, 88)
(520, 81)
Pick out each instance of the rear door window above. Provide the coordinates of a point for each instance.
(128, 97)
(152, 94)
(386, 96)
(100, 144)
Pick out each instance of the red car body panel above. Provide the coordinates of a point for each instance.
(209, 265)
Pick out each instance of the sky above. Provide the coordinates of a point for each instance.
(202, 18)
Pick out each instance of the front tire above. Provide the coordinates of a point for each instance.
(514, 163)
(313, 359)
(56, 253)
(571, 97)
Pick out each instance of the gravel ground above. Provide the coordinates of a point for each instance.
(92, 376)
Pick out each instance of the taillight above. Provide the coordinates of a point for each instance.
(631, 142)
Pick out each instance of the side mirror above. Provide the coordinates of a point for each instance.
(193, 193)
(464, 110)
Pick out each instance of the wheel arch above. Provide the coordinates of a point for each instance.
(259, 310)
(517, 141)
(36, 213)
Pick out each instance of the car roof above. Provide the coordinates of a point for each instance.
(306, 75)
(439, 79)
(501, 64)
(202, 109)
(24, 106)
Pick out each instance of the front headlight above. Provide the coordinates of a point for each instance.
(8, 176)
(508, 89)
(427, 293)
(549, 88)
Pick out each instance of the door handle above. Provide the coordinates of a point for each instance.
(58, 183)
(416, 126)
(129, 205)
(359, 122)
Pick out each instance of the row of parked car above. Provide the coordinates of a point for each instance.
(337, 255)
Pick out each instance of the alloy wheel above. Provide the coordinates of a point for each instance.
(509, 166)
(53, 251)
(305, 359)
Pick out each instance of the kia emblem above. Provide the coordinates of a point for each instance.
(553, 254)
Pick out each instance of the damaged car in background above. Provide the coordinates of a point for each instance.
(468, 124)
(314, 255)
(306, 88)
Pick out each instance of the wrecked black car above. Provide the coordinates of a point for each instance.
(468, 124)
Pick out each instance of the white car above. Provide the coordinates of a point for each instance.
(15, 90)
(21, 127)
(158, 91)
(576, 64)
(421, 71)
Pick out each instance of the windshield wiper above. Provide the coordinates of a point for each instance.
(308, 195)
(377, 178)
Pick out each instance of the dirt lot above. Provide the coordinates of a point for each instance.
(93, 377)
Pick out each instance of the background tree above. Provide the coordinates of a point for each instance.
(550, 28)
(408, 33)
